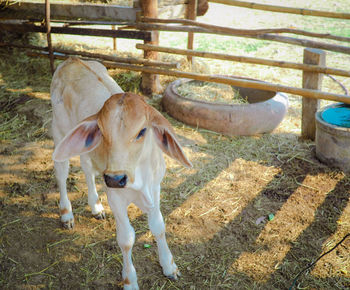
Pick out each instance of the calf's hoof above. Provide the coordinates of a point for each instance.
(68, 225)
(127, 285)
(131, 287)
(173, 273)
(67, 219)
(100, 216)
(174, 276)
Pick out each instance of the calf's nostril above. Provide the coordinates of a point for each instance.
(116, 181)
(123, 181)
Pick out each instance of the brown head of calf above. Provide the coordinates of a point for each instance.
(124, 127)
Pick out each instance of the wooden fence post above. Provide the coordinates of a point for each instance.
(150, 82)
(114, 40)
(311, 80)
(191, 14)
(48, 35)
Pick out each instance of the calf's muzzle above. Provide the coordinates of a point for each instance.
(115, 180)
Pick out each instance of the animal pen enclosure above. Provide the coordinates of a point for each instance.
(141, 22)
(217, 213)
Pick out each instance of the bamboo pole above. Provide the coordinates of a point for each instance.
(129, 60)
(253, 60)
(271, 37)
(48, 35)
(235, 81)
(305, 43)
(67, 52)
(107, 63)
(191, 14)
(253, 32)
(283, 9)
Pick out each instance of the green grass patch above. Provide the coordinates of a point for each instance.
(227, 44)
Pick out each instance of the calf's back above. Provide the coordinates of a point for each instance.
(78, 90)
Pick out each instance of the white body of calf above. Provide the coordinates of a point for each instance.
(118, 135)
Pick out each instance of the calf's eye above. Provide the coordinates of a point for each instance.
(141, 133)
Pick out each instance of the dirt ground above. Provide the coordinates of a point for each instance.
(216, 213)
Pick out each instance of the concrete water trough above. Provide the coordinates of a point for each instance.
(262, 113)
(333, 136)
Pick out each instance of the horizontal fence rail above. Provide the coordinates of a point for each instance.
(271, 37)
(315, 94)
(246, 32)
(253, 60)
(67, 53)
(235, 81)
(28, 27)
(283, 9)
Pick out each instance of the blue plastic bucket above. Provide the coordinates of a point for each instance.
(338, 115)
(333, 136)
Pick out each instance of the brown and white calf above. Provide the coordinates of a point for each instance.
(118, 135)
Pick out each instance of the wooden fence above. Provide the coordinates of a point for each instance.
(146, 18)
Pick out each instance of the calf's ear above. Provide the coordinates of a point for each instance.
(166, 138)
(84, 138)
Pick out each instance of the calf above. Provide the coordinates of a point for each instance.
(120, 136)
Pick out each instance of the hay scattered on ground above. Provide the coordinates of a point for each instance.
(211, 92)
(211, 210)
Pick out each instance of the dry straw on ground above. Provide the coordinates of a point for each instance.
(216, 213)
(211, 92)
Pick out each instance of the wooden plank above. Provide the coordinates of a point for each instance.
(311, 80)
(246, 59)
(27, 27)
(36, 11)
(163, 3)
(283, 9)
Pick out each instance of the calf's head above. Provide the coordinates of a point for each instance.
(120, 131)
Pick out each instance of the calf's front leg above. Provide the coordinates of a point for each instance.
(125, 236)
(157, 227)
(93, 199)
(61, 172)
